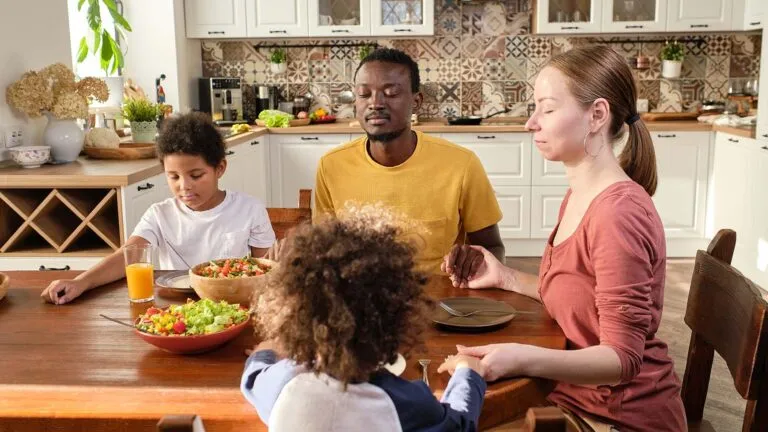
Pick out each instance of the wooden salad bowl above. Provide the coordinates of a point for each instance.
(232, 290)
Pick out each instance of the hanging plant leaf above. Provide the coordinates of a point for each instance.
(96, 40)
(94, 15)
(82, 52)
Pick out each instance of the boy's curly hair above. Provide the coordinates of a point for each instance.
(345, 297)
(192, 134)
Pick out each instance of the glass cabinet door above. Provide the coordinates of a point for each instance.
(634, 16)
(568, 16)
(403, 17)
(339, 17)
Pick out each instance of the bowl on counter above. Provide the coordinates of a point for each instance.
(30, 156)
(231, 289)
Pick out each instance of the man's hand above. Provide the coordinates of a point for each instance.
(462, 263)
(63, 291)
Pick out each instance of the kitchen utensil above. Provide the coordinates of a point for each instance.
(472, 120)
(424, 366)
(117, 321)
(505, 311)
(346, 97)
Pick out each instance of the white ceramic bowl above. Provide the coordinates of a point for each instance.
(31, 156)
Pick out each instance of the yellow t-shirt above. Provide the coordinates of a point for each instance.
(442, 186)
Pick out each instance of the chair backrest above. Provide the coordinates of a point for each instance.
(180, 423)
(285, 219)
(318, 403)
(728, 315)
(545, 419)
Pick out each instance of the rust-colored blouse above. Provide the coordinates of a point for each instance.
(604, 285)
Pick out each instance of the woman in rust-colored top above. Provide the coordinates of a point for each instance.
(602, 271)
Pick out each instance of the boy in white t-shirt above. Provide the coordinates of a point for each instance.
(200, 223)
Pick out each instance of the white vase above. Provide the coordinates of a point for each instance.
(278, 68)
(65, 138)
(144, 131)
(671, 68)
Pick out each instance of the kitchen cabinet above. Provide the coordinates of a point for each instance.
(699, 15)
(215, 18)
(545, 172)
(340, 18)
(515, 204)
(569, 16)
(634, 16)
(293, 164)
(267, 18)
(402, 17)
(739, 178)
(505, 156)
(545, 209)
(138, 197)
(247, 169)
(756, 12)
(682, 160)
(762, 102)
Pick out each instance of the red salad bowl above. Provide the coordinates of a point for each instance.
(179, 344)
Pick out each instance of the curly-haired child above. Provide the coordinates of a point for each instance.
(343, 301)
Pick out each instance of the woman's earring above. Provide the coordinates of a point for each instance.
(586, 152)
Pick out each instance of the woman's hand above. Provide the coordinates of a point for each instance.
(64, 291)
(499, 360)
(458, 361)
(471, 266)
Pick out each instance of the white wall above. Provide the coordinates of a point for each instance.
(33, 34)
(158, 45)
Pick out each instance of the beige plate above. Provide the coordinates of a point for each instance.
(469, 304)
(175, 281)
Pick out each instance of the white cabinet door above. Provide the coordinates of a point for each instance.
(545, 172)
(515, 204)
(234, 177)
(757, 270)
(293, 160)
(340, 18)
(565, 17)
(682, 160)
(271, 18)
(255, 163)
(755, 14)
(762, 102)
(634, 16)
(545, 209)
(699, 15)
(214, 18)
(506, 157)
(138, 197)
(402, 17)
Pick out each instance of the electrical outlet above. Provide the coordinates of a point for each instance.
(14, 136)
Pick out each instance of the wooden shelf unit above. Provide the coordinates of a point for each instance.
(53, 221)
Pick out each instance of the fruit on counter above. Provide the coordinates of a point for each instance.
(321, 115)
(240, 128)
(275, 118)
(301, 115)
(102, 138)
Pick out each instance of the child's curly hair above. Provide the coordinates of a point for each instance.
(192, 134)
(345, 297)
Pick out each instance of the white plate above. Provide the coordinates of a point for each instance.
(176, 280)
(398, 367)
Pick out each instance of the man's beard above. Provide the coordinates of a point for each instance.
(385, 137)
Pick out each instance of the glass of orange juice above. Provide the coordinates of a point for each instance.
(139, 273)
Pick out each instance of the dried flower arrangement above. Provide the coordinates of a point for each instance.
(53, 89)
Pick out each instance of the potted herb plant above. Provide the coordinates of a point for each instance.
(364, 51)
(143, 116)
(671, 59)
(278, 61)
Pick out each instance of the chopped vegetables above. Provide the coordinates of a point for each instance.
(234, 268)
(275, 118)
(192, 318)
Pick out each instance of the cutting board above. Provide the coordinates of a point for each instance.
(669, 116)
(126, 151)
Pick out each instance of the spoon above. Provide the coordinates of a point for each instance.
(117, 321)
(424, 365)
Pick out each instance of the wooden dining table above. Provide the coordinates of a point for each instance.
(66, 368)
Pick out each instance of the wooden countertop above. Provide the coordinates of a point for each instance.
(86, 172)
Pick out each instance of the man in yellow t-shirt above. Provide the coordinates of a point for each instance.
(437, 183)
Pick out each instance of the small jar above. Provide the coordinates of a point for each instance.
(300, 103)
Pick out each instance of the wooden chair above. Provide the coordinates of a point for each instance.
(284, 219)
(726, 313)
(180, 423)
(545, 419)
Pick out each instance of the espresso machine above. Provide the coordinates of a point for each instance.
(222, 98)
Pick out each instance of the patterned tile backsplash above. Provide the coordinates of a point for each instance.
(483, 59)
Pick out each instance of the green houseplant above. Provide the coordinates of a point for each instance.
(278, 61)
(102, 43)
(364, 51)
(671, 59)
(143, 116)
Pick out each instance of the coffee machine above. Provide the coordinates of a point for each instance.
(222, 98)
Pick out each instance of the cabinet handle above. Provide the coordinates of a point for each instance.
(229, 153)
(310, 138)
(765, 135)
(634, 26)
(216, 32)
(699, 25)
(755, 23)
(145, 187)
(486, 137)
(44, 268)
(278, 31)
(569, 27)
(764, 147)
(253, 143)
(733, 140)
(666, 135)
(403, 30)
(339, 31)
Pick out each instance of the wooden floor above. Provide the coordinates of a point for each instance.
(725, 408)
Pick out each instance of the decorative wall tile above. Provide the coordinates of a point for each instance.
(493, 97)
(516, 68)
(743, 44)
(649, 89)
(694, 67)
(534, 66)
(319, 71)
(494, 70)
(450, 70)
(449, 47)
(317, 53)
(431, 92)
(212, 69)
(671, 98)
(471, 19)
(471, 108)
(429, 110)
(515, 92)
(692, 91)
(408, 46)
(429, 70)
(447, 5)
(449, 92)
(340, 71)
(450, 109)
(342, 52)
(516, 46)
(716, 88)
(472, 47)
(539, 47)
(696, 48)
(298, 72)
(718, 67)
(495, 48)
(428, 49)
(256, 71)
(297, 90)
(322, 94)
(653, 72)
(471, 92)
(448, 23)
(211, 51)
(232, 51)
(718, 45)
(471, 69)
(743, 66)
(561, 45)
(494, 20)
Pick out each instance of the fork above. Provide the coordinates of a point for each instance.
(424, 365)
(456, 313)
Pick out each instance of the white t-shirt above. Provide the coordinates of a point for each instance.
(227, 230)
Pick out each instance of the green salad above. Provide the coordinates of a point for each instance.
(192, 318)
(275, 118)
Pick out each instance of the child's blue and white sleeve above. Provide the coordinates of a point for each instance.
(264, 378)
